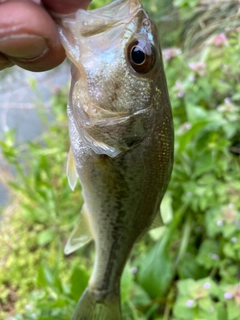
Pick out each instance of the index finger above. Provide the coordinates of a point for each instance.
(66, 6)
(28, 34)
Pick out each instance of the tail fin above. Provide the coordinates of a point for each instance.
(89, 309)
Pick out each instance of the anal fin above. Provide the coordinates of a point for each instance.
(80, 235)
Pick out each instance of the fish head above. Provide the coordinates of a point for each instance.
(113, 47)
(117, 71)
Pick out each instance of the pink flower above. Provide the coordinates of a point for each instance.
(228, 295)
(171, 53)
(190, 303)
(220, 40)
(198, 67)
(207, 285)
(179, 89)
(233, 292)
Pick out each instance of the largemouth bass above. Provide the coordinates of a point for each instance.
(121, 133)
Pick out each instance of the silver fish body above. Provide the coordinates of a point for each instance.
(121, 133)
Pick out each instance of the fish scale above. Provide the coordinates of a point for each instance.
(121, 133)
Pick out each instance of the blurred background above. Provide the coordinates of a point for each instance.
(187, 270)
(25, 100)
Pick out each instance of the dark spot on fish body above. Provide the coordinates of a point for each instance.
(116, 85)
(132, 141)
(101, 158)
(114, 92)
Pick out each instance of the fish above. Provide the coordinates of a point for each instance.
(121, 137)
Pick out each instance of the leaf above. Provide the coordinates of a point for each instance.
(210, 314)
(156, 270)
(166, 208)
(221, 311)
(190, 134)
(181, 310)
(140, 296)
(203, 164)
(196, 113)
(209, 286)
(236, 96)
(208, 255)
(214, 222)
(78, 282)
(45, 237)
(126, 283)
(229, 230)
(233, 310)
(185, 287)
(228, 270)
(229, 251)
(189, 268)
(41, 279)
(48, 278)
(205, 304)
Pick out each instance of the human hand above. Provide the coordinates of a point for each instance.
(28, 34)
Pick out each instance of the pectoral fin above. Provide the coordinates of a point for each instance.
(157, 222)
(80, 235)
(71, 170)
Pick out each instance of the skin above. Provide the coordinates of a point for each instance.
(28, 34)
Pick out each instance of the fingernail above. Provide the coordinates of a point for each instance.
(23, 46)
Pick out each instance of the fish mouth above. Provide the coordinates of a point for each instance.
(92, 22)
(108, 21)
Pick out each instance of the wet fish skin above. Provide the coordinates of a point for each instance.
(121, 133)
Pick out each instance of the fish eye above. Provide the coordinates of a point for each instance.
(141, 55)
(137, 55)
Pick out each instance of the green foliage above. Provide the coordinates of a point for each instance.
(206, 178)
(188, 269)
(33, 234)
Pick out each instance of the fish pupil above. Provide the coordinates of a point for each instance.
(137, 55)
(141, 55)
